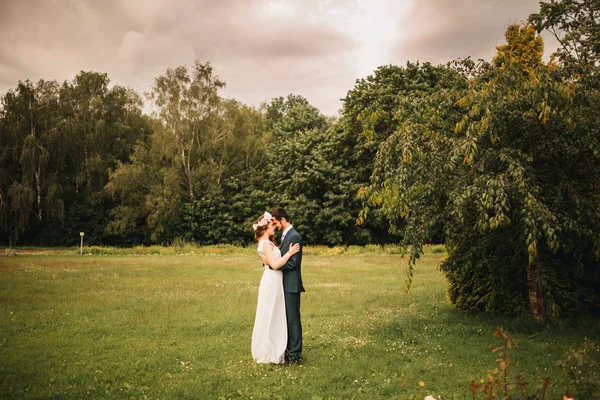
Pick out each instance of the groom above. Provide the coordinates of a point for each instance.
(292, 284)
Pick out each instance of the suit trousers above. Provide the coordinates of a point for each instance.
(294, 326)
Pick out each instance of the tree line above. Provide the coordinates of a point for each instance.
(499, 160)
(81, 156)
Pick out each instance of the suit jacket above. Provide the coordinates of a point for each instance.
(292, 270)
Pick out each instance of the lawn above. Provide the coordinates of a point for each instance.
(179, 326)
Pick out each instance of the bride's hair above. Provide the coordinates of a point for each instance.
(261, 229)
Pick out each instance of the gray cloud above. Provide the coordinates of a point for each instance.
(261, 48)
(439, 31)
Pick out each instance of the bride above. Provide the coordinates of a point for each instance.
(269, 338)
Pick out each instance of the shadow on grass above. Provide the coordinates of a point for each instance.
(573, 328)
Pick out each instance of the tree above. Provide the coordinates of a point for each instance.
(369, 118)
(291, 177)
(523, 48)
(102, 123)
(224, 213)
(510, 167)
(576, 26)
(189, 180)
(409, 182)
(187, 102)
(58, 141)
(83, 101)
(29, 187)
(179, 162)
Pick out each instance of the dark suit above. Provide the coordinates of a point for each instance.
(292, 287)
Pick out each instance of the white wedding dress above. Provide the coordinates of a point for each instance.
(269, 338)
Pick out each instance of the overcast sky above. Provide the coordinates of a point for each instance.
(261, 48)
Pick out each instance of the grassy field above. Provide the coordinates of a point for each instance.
(179, 326)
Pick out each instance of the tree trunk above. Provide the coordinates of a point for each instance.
(537, 299)
(191, 187)
(220, 173)
(38, 188)
(188, 172)
(87, 171)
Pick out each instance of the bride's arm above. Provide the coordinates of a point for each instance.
(273, 262)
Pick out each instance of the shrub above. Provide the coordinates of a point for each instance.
(581, 366)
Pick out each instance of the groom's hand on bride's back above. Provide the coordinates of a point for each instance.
(294, 248)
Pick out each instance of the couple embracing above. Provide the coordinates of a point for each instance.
(277, 335)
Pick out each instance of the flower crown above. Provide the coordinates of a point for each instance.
(266, 218)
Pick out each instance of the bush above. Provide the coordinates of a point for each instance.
(475, 281)
(581, 366)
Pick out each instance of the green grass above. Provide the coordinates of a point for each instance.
(180, 327)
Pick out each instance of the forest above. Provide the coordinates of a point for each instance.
(81, 156)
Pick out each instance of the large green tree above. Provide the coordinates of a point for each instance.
(195, 176)
(576, 26)
(509, 166)
(307, 172)
(58, 141)
(28, 181)
(187, 124)
(369, 118)
(225, 213)
(102, 122)
(177, 163)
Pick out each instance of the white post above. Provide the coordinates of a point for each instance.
(81, 247)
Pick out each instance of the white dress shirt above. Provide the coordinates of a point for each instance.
(285, 232)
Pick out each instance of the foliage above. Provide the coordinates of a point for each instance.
(579, 363)
(509, 167)
(201, 167)
(202, 150)
(224, 214)
(185, 126)
(57, 142)
(581, 366)
(369, 118)
(410, 163)
(178, 247)
(306, 174)
(576, 26)
(523, 48)
(499, 383)
(474, 281)
(29, 118)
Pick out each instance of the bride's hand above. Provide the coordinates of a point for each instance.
(294, 248)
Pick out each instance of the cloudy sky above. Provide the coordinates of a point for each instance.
(261, 48)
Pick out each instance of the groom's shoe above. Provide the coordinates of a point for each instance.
(295, 359)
